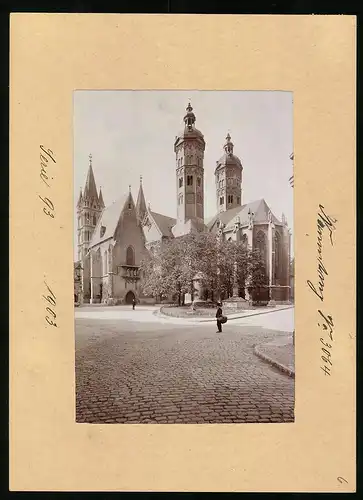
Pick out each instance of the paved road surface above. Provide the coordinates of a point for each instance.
(156, 371)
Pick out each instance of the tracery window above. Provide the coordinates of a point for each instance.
(277, 243)
(105, 263)
(261, 244)
(130, 256)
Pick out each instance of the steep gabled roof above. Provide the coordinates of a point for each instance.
(164, 223)
(109, 219)
(259, 208)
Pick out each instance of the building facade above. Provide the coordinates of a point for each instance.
(112, 241)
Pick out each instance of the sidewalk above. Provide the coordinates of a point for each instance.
(279, 353)
(248, 313)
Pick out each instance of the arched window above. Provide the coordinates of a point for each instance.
(245, 240)
(277, 255)
(130, 256)
(94, 220)
(105, 263)
(261, 245)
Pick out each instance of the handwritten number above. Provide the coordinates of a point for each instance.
(50, 322)
(51, 299)
(342, 479)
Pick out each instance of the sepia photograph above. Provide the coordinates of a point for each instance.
(183, 257)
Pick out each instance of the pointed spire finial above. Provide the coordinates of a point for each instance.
(90, 159)
(228, 147)
(189, 118)
(140, 180)
(129, 188)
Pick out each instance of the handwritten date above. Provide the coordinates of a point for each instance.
(46, 159)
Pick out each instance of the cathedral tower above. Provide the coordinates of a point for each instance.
(189, 149)
(228, 176)
(89, 207)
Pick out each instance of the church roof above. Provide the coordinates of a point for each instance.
(259, 208)
(228, 160)
(164, 223)
(109, 219)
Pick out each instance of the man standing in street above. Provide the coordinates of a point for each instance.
(219, 315)
(133, 303)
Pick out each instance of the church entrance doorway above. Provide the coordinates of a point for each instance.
(130, 296)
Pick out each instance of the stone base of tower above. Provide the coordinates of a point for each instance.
(279, 295)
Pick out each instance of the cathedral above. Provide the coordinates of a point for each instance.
(113, 240)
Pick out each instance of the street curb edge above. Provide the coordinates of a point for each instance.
(276, 364)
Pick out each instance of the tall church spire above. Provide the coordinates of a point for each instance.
(90, 190)
(89, 208)
(140, 204)
(189, 148)
(100, 199)
(228, 178)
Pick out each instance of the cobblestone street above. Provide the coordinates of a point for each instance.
(140, 372)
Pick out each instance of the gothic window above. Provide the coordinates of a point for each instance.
(277, 255)
(94, 220)
(221, 200)
(199, 181)
(130, 256)
(230, 198)
(180, 182)
(180, 199)
(244, 240)
(238, 200)
(102, 231)
(261, 244)
(79, 222)
(105, 270)
(189, 180)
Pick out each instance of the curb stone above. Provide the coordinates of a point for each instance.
(276, 364)
(206, 320)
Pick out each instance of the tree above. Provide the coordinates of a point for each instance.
(257, 277)
(171, 267)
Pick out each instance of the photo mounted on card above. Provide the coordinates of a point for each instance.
(192, 242)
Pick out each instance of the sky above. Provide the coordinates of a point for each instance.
(132, 133)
